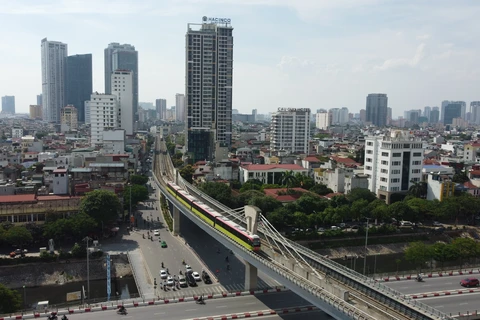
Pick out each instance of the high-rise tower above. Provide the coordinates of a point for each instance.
(208, 87)
(53, 79)
(180, 107)
(122, 57)
(8, 104)
(376, 110)
(78, 82)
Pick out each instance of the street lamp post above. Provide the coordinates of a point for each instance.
(24, 298)
(130, 201)
(366, 244)
(88, 268)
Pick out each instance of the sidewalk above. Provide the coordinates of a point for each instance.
(430, 275)
(141, 274)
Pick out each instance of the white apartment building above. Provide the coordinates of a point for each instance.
(53, 79)
(471, 152)
(180, 107)
(290, 130)
(69, 119)
(338, 116)
(114, 141)
(269, 173)
(322, 120)
(17, 132)
(122, 87)
(103, 111)
(393, 162)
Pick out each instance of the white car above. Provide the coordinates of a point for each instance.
(182, 281)
(156, 233)
(163, 274)
(170, 281)
(188, 269)
(196, 276)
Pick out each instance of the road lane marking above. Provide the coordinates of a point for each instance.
(159, 313)
(191, 309)
(221, 306)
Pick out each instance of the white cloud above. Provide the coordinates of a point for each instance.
(290, 62)
(423, 37)
(393, 63)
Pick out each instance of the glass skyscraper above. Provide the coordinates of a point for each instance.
(78, 82)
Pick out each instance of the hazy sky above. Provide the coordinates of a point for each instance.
(287, 53)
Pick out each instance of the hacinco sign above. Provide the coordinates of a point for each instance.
(216, 20)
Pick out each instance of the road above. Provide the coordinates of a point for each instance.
(429, 285)
(217, 307)
(455, 304)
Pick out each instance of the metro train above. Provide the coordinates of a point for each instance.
(226, 226)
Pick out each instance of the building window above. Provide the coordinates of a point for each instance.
(383, 179)
(416, 163)
(396, 163)
(415, 170)
(384, 154)
(417, 154)
(406, 146)
(415, 179)
(395, 180)
(385, 162)
(368, 168)
(396, 171)
(384, 171)
(369, 143)
(369, 151)
(397, 155)
(369, 159)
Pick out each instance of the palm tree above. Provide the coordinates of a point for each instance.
(418, 189)
(288, 179)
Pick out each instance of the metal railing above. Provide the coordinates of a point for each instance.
(140, 293)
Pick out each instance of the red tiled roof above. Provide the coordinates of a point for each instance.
(274, 193)
(18, 198)
(331, 195)
(266, 167)
(122, 155)
(311, 159)
(55, 197)
(60, 171)
(343, 160)
(475, 172)
(470, 185)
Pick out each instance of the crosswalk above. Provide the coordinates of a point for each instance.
(209, 290)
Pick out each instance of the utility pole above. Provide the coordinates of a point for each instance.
(366, 244)
(88, 268)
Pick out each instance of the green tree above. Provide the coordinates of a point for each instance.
(138, 179)
(10, 300)
(244, 198)
(138, 194)
(79, 250)
(81, 224)
(18, 235)
(101, 205)
(219, 191)
(321, 189)
(288, 179)
(304, 181)
(301, 220)
(359, 209)
(266, 204)
(418, 253)
(251, 184)
(187, 173)
(400, 211)
(465, 248)
(361, 194)
(418, 189)
(310, 203)
(421, 208)
(442, 252)
(280, 218)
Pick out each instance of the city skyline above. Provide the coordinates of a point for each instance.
(315, 54)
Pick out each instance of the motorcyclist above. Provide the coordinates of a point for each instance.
(122, 309)
(419, 277)
(52, 316)
(64, 317)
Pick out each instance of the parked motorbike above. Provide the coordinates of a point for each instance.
(52, 317)
(122, 311)
(200, 301)
(419, 279)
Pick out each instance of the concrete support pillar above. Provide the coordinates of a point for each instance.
(176, 221)
(251, 277)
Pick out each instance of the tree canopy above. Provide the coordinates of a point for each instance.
(138, 194)
(138, 179)
(102, 205)
(18, 235)
(10, 300)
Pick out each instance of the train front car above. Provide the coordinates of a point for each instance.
(256, 243)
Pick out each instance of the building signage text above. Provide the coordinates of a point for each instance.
(293, 109)
(216, 20)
